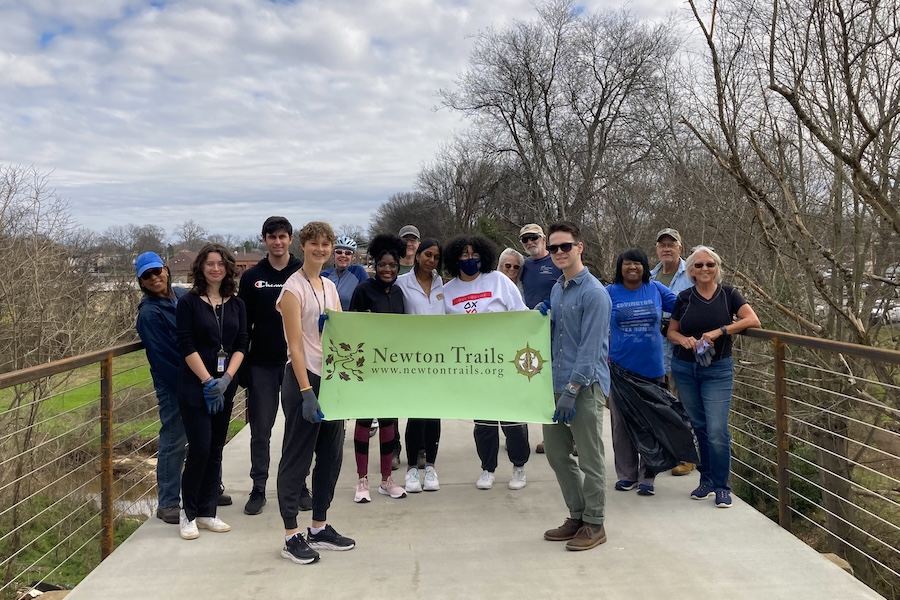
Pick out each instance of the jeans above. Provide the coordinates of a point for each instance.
(706, 395)
(170, 455)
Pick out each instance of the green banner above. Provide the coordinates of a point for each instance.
(493, 366)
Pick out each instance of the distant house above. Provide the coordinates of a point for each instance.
(180, 264)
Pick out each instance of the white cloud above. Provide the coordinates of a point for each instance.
(226, 111)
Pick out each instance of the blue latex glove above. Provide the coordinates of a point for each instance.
(217, 387)
(214, 404)
(544, 307)
(704, 354)
(322, 318)
(565, 408)
(310, 409)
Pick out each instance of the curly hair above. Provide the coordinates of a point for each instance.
(386, 243)
(229, 284)
(314, 230)
(480, 245)
(636, 255)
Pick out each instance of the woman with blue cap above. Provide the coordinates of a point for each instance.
(156, 327)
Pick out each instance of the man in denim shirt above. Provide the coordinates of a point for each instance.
(580, 310)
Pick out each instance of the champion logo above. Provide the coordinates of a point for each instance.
(265, 284)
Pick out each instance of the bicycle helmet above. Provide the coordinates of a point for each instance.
(345, 242)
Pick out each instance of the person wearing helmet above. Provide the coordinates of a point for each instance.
(345, 276)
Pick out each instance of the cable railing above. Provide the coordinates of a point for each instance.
(816, 446)
(78, 441)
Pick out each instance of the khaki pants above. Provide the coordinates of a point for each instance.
(582, 480)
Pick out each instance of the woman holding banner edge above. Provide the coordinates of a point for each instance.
(379, 295)
(423, 292)
(477, 287)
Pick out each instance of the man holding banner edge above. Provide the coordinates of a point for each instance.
(580, 310)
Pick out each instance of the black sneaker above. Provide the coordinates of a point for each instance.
(305, 499)
(329, 539)
(256, 502)
(297, 550)
(223, 499)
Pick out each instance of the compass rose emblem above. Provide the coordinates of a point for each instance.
(528, 362)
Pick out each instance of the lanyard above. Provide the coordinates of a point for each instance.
(315, 295)
(219, 322)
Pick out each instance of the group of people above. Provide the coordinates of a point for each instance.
(265, 332)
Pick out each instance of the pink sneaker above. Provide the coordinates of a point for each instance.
(389, 488)
(362, 491)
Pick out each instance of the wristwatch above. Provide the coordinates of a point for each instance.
(571, 389)
(724, 329)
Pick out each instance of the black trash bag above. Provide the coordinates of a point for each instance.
(655, 420)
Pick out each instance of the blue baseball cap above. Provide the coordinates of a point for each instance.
(147, 260)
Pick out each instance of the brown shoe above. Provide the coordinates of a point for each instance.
(564, 532)
(589, 536)
(683, 469)
(539, 448)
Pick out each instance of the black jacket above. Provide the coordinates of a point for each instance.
(370, 296)
(259, 289)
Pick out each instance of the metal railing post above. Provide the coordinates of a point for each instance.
(106, 456)
(781, 437)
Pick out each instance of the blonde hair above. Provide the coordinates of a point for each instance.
(314, 230)
(712, 253)
(510, 252)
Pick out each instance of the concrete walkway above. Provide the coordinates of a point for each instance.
(460, 542)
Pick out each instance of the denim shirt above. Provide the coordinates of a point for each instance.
(680, 282)
(580, 310)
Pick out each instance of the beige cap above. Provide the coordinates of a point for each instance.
(409, 230)
(531, 228)
(672, 233)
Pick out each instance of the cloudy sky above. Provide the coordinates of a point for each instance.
(228, 111)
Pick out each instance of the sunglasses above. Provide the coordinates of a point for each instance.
(566, 247)
(344, 252)
(384, 265)
(154, 272)
(709, 265)
(510, 266)
(529, 238)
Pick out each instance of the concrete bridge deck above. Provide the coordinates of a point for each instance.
(461, 542)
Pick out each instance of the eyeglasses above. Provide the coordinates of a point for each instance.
(709, 265)
(565, 247)
(511, 266)
(384, 265)
(154, 272)
(344, 252)
(669, 245)
(529, 238)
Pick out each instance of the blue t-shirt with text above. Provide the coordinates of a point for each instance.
(635, 342)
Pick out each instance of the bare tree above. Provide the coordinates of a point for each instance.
(352, 231)
(190, 235)
(567, 96)
(410, 208)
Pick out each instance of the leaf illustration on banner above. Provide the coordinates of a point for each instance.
(345, 361)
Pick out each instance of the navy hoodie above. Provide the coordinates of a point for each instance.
(156, 326)
(259, 289)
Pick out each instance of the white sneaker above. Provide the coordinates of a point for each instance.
(486, 481)
(413, 484)
(518, 478)
(187, 528)
(362, 491)
(213, 524)
(431, 480)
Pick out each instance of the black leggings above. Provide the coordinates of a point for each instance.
(422, 434)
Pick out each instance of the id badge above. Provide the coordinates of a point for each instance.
(220, 361)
